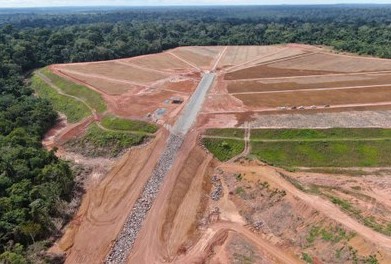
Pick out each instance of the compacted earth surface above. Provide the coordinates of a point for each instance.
(248, 154)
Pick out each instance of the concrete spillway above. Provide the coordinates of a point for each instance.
(125, 240)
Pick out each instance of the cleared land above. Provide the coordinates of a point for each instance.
(202, 57)
(236, 55)
(240, 210)
(138, 88)
(107, 86)
(266, 71)
(115, 70)
(163, 61)
(317, 98)
(308, 83)
(287, 77)
(335, 63)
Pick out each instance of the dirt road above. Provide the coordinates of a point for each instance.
(210, 237)
(326, 207)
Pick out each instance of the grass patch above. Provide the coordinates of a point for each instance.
(243, 259)
(345, 205)
(367, 221)
(333, 235)
(324, 153)
(350, 172)
(116, 123)
(332, 133)
(73, 109)
(307, 258)
(224, 149)
(100, 143)
(226, 132)
(294, 182)
(240, 191)
(92, 98)
(290, 148)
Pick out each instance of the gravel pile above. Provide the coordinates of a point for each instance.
(217, 191)
(323, 120)
(133, 223)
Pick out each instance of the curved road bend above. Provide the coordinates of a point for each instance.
(133, 223)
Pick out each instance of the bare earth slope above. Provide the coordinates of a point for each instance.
(204, 211)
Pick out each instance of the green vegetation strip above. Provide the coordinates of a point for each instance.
(331, 234)
(90, 97)
(336, 147)
(224, 149)
(226, 132)
(369, 221)
(100, 143)
(324, 153)
(313, 134)
(115, 123)
(73, 109)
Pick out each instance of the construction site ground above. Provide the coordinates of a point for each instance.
(240, 211)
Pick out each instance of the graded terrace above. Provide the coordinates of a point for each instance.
(250, 154)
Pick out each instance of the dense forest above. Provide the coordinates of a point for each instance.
(33, 182)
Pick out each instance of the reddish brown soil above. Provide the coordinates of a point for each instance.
(326, 61)
(50, 138)
(138, 101)
(278, 55)
(202, 61)
(138, 106)
(176, 206)
(183, 226)
(162, 61)
(93, 222)
(106, 86)
(264, 71)
(237, 55)
(115, 70)
(72, 131)
(305, 210)
(260, 86)
(326, 97)
(181, 85)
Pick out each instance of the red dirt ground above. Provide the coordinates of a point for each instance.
(265, 71)
(306, 83)
(326, 61)
(324, 97)
(183, 225)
